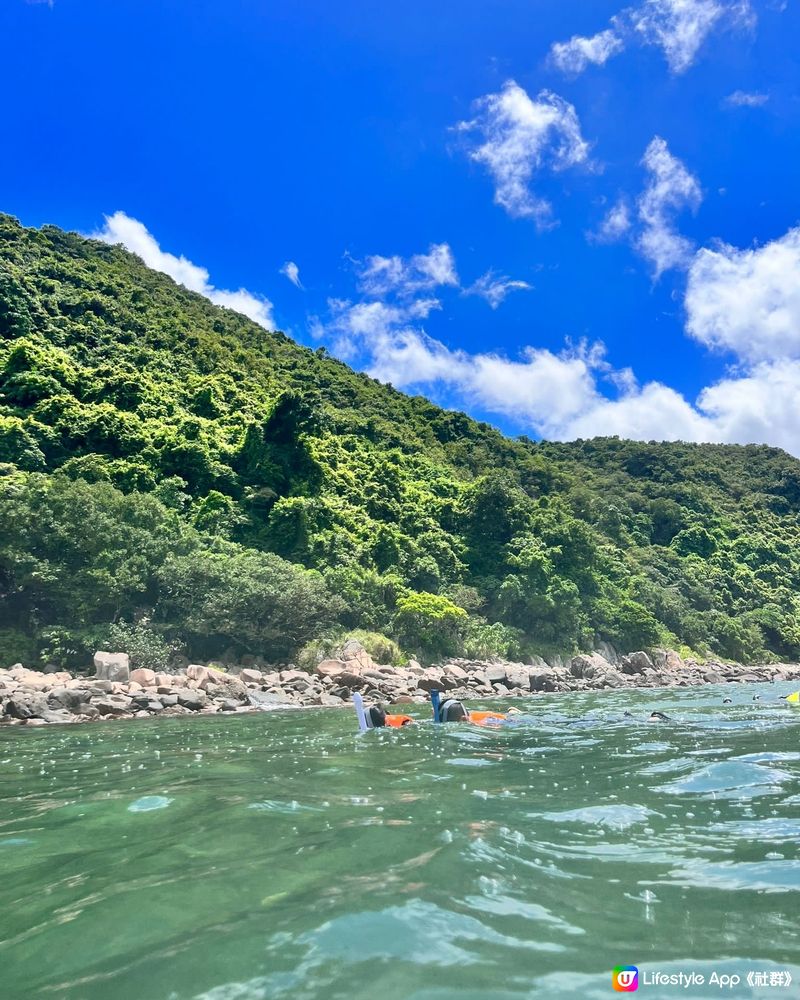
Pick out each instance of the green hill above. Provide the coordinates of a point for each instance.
(171, 473)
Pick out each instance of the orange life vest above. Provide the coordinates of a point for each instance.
(396, 721)
(485, 718)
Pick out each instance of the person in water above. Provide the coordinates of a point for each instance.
(454, 711)
(378, 719)
(652, 717)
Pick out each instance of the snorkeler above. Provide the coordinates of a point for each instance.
(654, 716)
(453, 710)
(377, 719)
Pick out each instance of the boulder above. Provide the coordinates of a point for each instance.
(329, 700)
(198, 673)
(495, 674)
(228, 705)
(587, 666)
(193, 700)
(57, 716)
(331, 668)
(70, 699)
(143, 676)
(26, 704)
(112, 666)
(353, 652)
(608, 653)
(168, 700)
(112, 704)
(250, 676)
(287, 676)
(456, 673)
(636, 663)
(542, 680)
(265, 700)
(518, 677)
(712, 677)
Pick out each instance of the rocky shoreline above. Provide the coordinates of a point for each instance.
(34, 698)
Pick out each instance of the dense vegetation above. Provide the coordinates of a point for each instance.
(173, 475)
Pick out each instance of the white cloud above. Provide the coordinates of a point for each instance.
(291, 271)
(576, 54)
(759, 407)
(615, 225)
(747, 301)
(495, 288)
(573, 393)
(132, 234)
(522, 137)
(670, 188)
(422, 272)
(745, 99)
(678, 27)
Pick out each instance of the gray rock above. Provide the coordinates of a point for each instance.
(57, 716)
(112, 666)
(588, 666)
(542, 680)
(518, 677)
(265, 700)
(636, 663)
(100, 688)
(112, 704)
(26, 704)
(67, 698)
(495, 674)
(329, 700)
(193, 700)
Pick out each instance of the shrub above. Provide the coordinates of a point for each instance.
(145, 645)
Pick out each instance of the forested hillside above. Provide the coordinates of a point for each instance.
(174, 476)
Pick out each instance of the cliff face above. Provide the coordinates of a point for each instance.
(176, 475)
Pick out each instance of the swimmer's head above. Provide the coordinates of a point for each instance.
(658, 717)
(513, 711)
(453, 711)
(376, 717)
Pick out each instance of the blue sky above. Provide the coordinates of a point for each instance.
(569, 219)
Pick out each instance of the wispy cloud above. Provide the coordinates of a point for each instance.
(407, 276)
(616, 224)
(576, 54)
(679, 28)
(134, 235)
(745, 99)
(520, 137)
(291, 271)
(669, 190)
(494, 288)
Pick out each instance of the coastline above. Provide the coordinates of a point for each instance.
(34, 698)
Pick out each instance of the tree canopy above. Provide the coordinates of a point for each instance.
(168, 461)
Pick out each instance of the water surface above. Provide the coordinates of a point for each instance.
(283, 856)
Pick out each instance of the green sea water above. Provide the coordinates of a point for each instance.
(282, 855)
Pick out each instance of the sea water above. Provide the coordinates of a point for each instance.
(283, 855)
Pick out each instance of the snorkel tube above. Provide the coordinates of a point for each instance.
(435, 705)
(358, 704)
